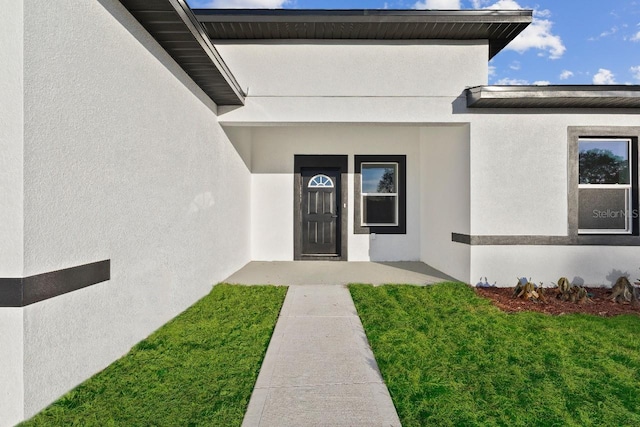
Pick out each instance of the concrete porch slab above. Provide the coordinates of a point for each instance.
(336, 273)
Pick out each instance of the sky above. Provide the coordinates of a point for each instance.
(569, 41)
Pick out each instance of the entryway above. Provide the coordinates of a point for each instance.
(320, 208)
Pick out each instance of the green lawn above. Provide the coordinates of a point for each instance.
(451, 358)
(198, 369)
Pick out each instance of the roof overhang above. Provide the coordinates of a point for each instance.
(499, 27)
(557, 96)
(174, 26)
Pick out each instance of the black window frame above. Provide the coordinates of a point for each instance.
(401, 227)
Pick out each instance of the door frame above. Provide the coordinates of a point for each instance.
(341, 163)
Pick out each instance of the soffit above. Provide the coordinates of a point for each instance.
(174, 26)
(499, 27)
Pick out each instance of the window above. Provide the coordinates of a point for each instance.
(380, 194)
(320, 181)
(606, 185)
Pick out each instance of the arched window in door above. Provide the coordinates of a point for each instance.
(320, 181)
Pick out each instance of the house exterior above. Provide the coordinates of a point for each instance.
(150, 151)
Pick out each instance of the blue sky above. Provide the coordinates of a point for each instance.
(569, 42)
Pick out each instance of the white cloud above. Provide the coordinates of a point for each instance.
(610, 32)
(544, 13)
(505, 4)
(511, 82)
(479, 4)
(239, 4)
(636, 72)
(537, 35)
(636, 37)
(604, 77)
(565, 74)
(542, 83)
(515, 65)
(437, 4)
(492, 70)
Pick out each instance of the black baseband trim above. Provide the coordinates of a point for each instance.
(20, 292)
(573, 240)
(461, 238)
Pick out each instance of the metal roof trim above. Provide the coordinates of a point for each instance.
(554, 96)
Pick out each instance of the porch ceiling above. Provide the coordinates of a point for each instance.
(499, 27)
(558, 96)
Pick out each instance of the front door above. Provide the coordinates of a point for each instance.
(320, 208)
(320, 212)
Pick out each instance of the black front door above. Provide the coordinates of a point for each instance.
(320, 211)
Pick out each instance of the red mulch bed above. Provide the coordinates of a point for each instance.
(600, 304)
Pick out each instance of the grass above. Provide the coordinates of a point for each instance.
(450, 358)
(198, 369)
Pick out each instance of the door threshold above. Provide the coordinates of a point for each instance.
(323, 255)
(320, 257)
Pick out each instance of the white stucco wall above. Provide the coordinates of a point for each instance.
(11, 355)
(273, 151)
(124, 160)
(11, 207)
(11, 138)
(270, 111)
(300, 82)
(444, 198)
(356, 68)
(582, 265)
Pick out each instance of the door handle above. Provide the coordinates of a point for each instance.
(334, 216)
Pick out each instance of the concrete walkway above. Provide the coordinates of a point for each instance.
(319, 369)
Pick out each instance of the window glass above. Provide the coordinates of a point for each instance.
(602, 209)
(379, 194)
(320, 181)
(379, 178)
(604, 190)
(604, 161)
(380, 210)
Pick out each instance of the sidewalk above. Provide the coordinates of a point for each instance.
(319, 369)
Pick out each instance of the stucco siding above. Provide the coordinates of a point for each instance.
(11, 139)
(356, 68)
(444, 198)
(124, 160)
(11, 378)
(582, 265)
(11, 207)
(268, 111)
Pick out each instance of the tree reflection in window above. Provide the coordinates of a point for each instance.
(379, 194)
(604, 188)
(604, 162)
(386, 184)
